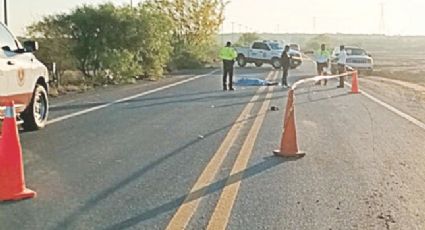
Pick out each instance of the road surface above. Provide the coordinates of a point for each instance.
(184, 154)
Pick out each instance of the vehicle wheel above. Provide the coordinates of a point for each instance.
(241, 61)
(276, 63)
(258, 64)
(35, 115)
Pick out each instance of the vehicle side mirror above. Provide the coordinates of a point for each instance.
(30, 46)
(370, 55)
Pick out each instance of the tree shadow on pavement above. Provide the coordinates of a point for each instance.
(93, 201)
(222, 96)
(76, 106)
(323, 98)
(258, 100)
(179, 98)
(88, 105)
(266, 164)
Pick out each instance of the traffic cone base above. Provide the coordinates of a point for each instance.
(26, 194)
(292, 155)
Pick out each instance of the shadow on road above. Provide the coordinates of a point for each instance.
(200, 96)
(178, 98)
(76, 106)
(268, 163)
(92, 202)
(323, 98)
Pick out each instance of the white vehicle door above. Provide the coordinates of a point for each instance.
(268, 52)
(258, 51)
(16, 68)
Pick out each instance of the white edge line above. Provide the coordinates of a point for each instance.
(82, 112)
(394, 110)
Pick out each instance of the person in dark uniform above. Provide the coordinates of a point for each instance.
(228, 55)
(286, 62)
(342, 63)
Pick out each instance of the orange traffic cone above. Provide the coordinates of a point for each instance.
(289, 145)
(355, 82)
(12, 182)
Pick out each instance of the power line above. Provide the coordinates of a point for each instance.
(382, 20)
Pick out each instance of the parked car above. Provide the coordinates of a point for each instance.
(266, 51)
(357, 58)
(23, 79)
(295, 47)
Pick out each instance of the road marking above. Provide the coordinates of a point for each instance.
(222, 211)
(82, 112)
(394, 110)
(62, 104)
(185, 212)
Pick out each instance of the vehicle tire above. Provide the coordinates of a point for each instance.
(276, 63)
(241, 61)
(35, 115)
(258, 64)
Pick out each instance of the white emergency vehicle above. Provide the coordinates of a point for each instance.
(23, 79)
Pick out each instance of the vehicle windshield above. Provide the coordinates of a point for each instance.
(276, 46)
(357, 52)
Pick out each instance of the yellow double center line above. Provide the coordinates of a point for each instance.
(224, 207)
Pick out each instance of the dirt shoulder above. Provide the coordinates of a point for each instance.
(406, 96)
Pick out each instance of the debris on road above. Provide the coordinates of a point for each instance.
(274, 108)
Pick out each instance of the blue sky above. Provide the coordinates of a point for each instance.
(403, 17)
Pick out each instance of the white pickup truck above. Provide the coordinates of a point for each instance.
(357, 58)
(266, 51)
(23, 79)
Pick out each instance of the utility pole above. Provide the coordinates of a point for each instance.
(314, 24)
(233, 31)
(382, 21)
(5, 12)
(222, 33)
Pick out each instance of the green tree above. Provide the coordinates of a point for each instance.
(247, 38)
(55, 45)
(315, 42)
(110, 43)
(195, 23)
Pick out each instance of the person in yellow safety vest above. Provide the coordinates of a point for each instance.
(228, 55)
(322, 60)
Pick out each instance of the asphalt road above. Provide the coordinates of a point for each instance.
(184, 154)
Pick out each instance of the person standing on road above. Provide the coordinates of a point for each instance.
(286, 62)
(322, 60)
(228, 55)
(342, 62)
